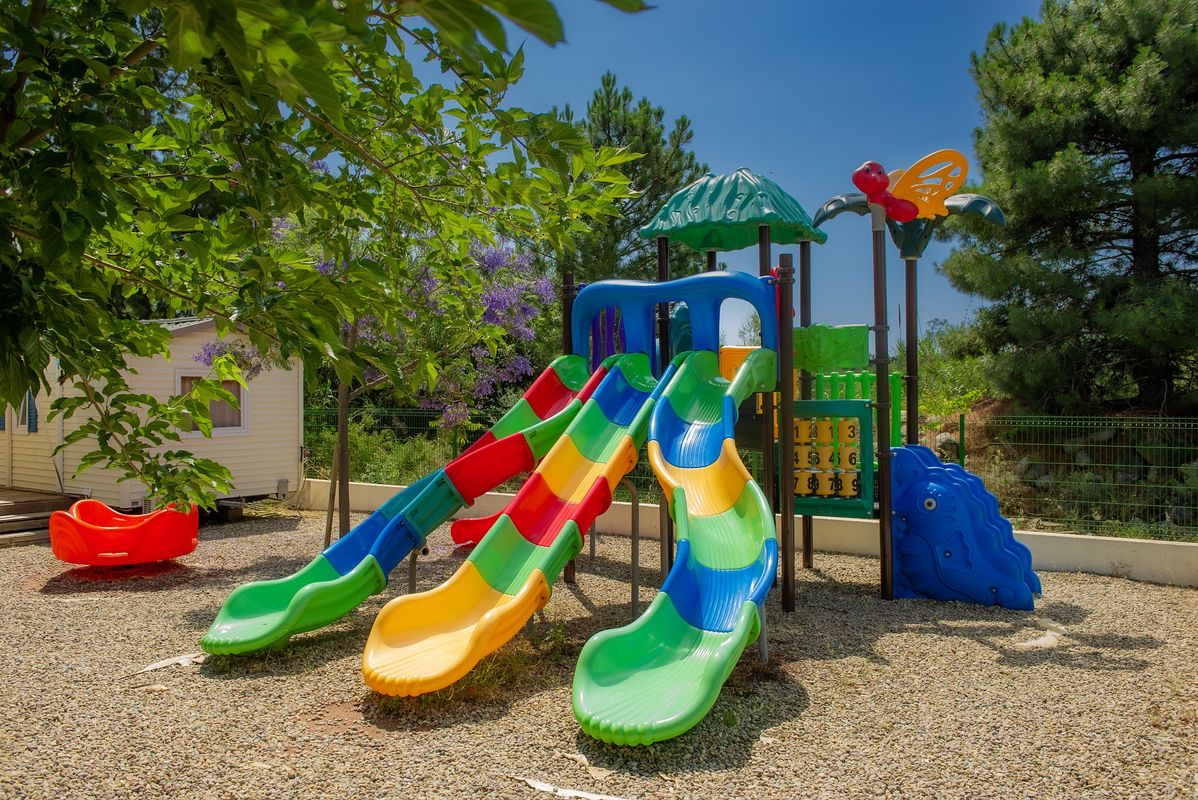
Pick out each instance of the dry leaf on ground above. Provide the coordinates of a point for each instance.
(558, 791)
(186, 660)
(598, 773)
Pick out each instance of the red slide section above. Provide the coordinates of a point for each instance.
(476, 472)
(547, 396)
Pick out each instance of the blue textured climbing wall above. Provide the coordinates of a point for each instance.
(950, 541)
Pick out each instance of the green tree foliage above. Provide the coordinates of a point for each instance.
(615, 119)
(147, 150)
(954, 368)
(749, 332)
(1090, 144)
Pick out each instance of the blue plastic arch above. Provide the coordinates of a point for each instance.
(702, 293)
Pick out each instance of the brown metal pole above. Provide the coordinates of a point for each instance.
(666, 528)
(912, 337)
(882, 399)
(786, 430)
(808, 526)
(767, 399)
(710, 261)
(571, 572)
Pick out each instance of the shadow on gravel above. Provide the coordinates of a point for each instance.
(539, 658)
(164, 575)
(135, 578)
(837, 620)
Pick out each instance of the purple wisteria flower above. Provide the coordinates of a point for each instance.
(512, 300)
(330, 269)
(251, 362)
(545, 290)
(428, 288)
(455, 414)
(280, 228)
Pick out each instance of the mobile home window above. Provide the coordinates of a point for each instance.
(27, 414)
(224, 416)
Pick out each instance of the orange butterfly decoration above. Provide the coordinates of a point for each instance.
(930, 181)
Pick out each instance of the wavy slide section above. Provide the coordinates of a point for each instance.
(659, 676)
(267, 613)
(424, 642)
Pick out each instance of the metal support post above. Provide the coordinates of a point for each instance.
(912, 347)
(768, 479)
(882, 400)
(786, 431)
(570, 575)
(636, 544)
(663, 349)
(763, 644)
(805, 379)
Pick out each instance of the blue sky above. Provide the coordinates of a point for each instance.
(801, 92)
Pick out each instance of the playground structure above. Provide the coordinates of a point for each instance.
(836, 450)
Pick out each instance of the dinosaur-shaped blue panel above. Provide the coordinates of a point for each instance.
(989, 506)
(711, 599)
(949, 541)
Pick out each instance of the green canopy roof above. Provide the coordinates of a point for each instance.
(722, 212)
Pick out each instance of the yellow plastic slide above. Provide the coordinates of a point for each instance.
(424, 642)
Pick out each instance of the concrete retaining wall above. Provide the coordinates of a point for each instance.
(1140, 559)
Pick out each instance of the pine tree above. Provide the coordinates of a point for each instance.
(615, 119)
(1090, 145)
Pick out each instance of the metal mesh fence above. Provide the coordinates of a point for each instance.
(1114, 476)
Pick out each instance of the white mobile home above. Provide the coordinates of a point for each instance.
(260, 443)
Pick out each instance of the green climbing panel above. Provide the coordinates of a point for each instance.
(826, 348)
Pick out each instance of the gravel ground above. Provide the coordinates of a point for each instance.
(860, 699)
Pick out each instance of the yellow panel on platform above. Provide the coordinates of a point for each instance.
(710, 490)
(730, 360)
(571, 475)
(424, 642)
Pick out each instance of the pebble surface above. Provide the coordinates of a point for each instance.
(860, 698)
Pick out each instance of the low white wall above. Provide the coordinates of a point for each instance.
(1141, 559)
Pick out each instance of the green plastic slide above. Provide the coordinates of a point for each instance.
(658, 677)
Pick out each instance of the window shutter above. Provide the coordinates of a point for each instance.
(31, 404)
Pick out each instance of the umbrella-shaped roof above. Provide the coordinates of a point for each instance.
(722, 212)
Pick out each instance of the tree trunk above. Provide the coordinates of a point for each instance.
(1152, 370)
(328, 516)
(341, 465)
(343, 445)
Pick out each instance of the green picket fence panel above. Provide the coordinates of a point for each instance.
(862, 386)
